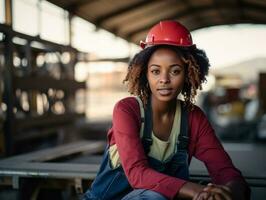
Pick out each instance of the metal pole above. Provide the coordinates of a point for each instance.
(9, 129)
(8, 12)
(70, 16)
(39, 6)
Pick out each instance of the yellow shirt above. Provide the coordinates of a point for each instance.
(162, 150)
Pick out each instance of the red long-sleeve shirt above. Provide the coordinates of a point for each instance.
(203, 144)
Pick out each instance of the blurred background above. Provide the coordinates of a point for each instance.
(62, 64)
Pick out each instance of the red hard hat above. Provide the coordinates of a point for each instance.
(168, 32)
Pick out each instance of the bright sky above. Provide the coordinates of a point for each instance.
(224, 44)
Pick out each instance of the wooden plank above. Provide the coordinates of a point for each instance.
(36, 165)
(49, 170)
(78, 147)
(89, 147)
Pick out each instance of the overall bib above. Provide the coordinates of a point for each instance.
(112, 184)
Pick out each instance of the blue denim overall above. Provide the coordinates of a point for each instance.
(112, 184)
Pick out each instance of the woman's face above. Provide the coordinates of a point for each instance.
(165, 74)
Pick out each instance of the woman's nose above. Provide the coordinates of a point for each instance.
(164, 78)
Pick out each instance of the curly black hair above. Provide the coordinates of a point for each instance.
(196, 70)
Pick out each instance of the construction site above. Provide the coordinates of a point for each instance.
(57, 91)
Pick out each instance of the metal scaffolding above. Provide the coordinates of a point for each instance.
(38, 94)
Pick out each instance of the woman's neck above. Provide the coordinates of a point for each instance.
(161, 108)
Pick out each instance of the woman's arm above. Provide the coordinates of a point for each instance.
(209, 150)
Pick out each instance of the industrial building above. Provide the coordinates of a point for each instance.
(50, 144)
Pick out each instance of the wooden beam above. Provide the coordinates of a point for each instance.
(76, 4)
(198, 10)
(128, 8)
(240, 4)
(124, 60)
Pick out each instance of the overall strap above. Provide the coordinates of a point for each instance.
(146, 125)
(147, 138)
(183, 137)
(142, 114)
(178, 166)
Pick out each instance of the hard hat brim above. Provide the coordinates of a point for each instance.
(144, 45)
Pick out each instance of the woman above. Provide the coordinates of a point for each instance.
(155, 135)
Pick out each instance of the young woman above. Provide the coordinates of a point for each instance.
(155, 134)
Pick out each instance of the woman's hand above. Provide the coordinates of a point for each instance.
(203, 196)
(214, 192)
(231, 191)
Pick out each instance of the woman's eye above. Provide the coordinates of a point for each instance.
(175, 72)
(155, 72)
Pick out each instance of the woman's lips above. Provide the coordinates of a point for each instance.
(165, 91)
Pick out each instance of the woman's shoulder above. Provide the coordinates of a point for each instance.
(196, 115)
(194, 110)
(126, 116)
(129, 101)
(127, 104)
